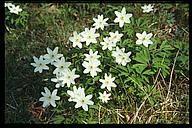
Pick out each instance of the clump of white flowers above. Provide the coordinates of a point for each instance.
(78, 96)
(147, 8)
(121, 57)
(12, 8)
(66, 76)
(91, 63)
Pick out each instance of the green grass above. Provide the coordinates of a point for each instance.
(50, 25)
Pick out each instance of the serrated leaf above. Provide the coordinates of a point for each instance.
(148, 72)
(139, 67)
(142, 57)
(165, 46)
(58, 119)
(123, 68)
(145, 78)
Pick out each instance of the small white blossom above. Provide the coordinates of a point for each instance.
(92, 56)
(100, 22)
(8, 5)
(120, 56)
(40, 64)
(91, 67)
(76, 39)
(49, 98)
(59, 83)
(107, 44)
(115, 37)
(147, 8)
(118, 52)
(83, 101)
(125, 58)
(144, 38)
(69, 77)
(89, 36)
(108, 82)
(61, 66)
(122, 17)
(52, 56)
(14, 9)
(104, 97)
(75, 93)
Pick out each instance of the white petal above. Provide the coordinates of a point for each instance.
(52, 102)
(139, 41)
(85, 107)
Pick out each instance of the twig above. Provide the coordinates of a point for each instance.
(99, 114)
(14, 99)
(171, 75)
(184, 76)
(117, 117)
(11, 106)
(185, 30)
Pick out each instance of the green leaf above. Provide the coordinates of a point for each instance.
(165, 46)
(58, 119)
(123, 68)
(148, 72)
(139, 67)
(113, 70)
(145, 78)
(142, 57)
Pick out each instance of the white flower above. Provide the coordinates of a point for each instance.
(8, 5)
(147, 8)
(83, 101)
(76, 39)
(104, 97)
(107, 44)
(100, 22)
(144, 38)
(14, 9)
(118, 52)
(78, 96)
(61, 66)
(120, 56)
(92, 56)
(89, 36)
(92, 67)
(60, 83)
(108, 82)
(122, 17)
(69, 77)
(75, 93)
(115, 37)
(49, 98)
(125, 58)
(40, 64)
(52, 56)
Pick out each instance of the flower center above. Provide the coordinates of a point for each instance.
(89, 36)
(49, 97)
(143, 39)
(91, 67)
(122, 18)
(62, 66)
(68, 77)
(107, 82)
(82, 100)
